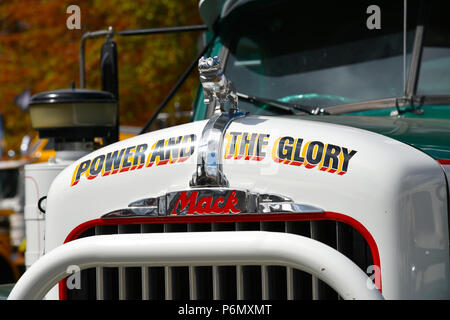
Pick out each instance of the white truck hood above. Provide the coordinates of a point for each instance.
(383, 184)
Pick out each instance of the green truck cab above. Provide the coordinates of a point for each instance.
(327, 63)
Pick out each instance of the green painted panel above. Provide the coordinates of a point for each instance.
(5, 290)
(427, 134)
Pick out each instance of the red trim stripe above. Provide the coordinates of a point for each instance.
(77, 231)
(444, 162)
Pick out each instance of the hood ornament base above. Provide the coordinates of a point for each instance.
(218, 94)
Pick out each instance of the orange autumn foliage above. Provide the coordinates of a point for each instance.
(38, 51)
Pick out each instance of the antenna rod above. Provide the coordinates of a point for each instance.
(404, 44)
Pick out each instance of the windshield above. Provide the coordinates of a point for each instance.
(434, 74)
(316, 56)
(8, 183)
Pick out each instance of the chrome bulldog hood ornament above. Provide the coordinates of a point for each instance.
(219, 96)
(217, 90)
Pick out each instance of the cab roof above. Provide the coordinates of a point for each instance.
(210, 10)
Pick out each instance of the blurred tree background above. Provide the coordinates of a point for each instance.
(39, 52)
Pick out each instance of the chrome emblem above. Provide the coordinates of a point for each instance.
(211, 201)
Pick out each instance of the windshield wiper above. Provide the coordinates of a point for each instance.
(402, 105)
(288, 107)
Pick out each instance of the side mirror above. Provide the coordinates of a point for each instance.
(110, 77)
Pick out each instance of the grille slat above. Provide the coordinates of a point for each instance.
(177, 278)
(289, 271)
(99, 284)
(99, 274)
(193, 290)
(168, 274)
(241, 282)
(249, 277)
(153, 280)
(239, 271)
(264, 283)
(192, 284)
(122, 284)
(325, 232)
(145, 284)
(315, 282)
(106, 278)
(274, 277)
(215, 271)
(215, 283)
(200, 278)
(225, 277)
(289, 283)
(144, 275)
(130, 278)
(264, 273)
(216, 287)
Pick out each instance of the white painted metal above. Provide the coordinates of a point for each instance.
(202, 248)
(38, 178)
(447, 172)
(388, 188)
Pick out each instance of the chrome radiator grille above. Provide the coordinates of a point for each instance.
(220, 282)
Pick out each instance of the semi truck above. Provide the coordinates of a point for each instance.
(316, 166)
